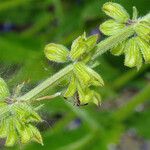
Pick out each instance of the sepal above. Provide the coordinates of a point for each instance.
(4, 92)
(116, 11)
(111, 27)
(142, 29)
(133, 56)
(56, 52)
(71, 88)
(145, 49)
(119, 49)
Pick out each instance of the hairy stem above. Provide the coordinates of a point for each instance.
(46, 84)
(113, 40)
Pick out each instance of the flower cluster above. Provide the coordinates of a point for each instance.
(17, 119)
(82, 77)
(136, 49)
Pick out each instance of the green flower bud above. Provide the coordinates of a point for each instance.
(3, 128)
(82, 45)
(77, 51)
(4, 92)
(133, 56)
(143, 30)
(96, 79)
(97, 99)
(116, 11)
(36, 135)
(91, 41)
(71, 88)
(11, 134)
(24, 132)
(81, 73)
(4, 110)
(56, 52)
(24, 109)
(111, 27)
(88, 96)
(145, 49)
(78, 47)
(119, 49)
(26, 135)
(135, 13)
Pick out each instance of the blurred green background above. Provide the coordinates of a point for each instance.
(25, 27)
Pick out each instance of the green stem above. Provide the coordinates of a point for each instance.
(113, 40)
(123, 112)
(46, 84)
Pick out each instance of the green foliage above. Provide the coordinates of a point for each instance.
(82, 76)
(34, 27)
(120, 20)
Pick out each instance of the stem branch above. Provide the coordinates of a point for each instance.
(113, 40)
(46, 84)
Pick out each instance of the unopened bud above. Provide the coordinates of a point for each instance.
(143, 30)
(115, 11)
(133, 56)
(71, 88)
(56, 52)
(111, 27)
(145, 49)
(119, 49)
